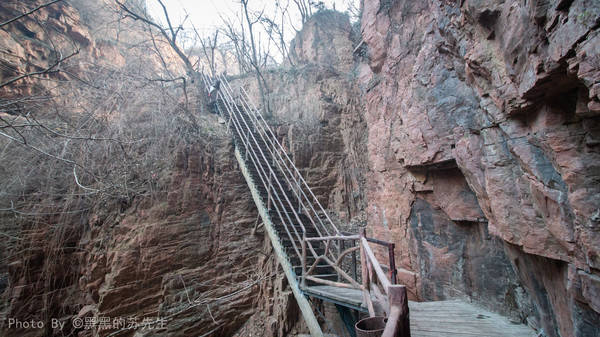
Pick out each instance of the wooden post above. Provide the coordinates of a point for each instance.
(398, 324)
(393, 271)
(375, 265)
(365, 276)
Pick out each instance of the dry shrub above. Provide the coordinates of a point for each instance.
(95, 144)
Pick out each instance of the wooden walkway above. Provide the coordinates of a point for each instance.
(454, 318)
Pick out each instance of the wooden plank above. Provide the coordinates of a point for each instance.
(453, 318)
(345, 295)
(462, 319)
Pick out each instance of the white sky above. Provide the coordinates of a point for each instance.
(205, 14)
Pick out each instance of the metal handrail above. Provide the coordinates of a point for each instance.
(302, 197)
(227, 90)
(249, 129)
(271, 172)
(244, 116)
(292, 163)
(266, 129)
(254, 158)
(275, 154)
(228, 101)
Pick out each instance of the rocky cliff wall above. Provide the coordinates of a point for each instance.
(154, 223)
(482, 143)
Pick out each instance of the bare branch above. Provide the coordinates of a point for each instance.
(29, 13)
(10, 125)
(41, 72)
(171, 39)
(46, 153)
(79, 184)
(173, 33)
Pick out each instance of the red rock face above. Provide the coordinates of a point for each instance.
(180, 250)
(506, 94)
(188, 257)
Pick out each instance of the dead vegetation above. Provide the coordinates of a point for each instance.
(91, 141)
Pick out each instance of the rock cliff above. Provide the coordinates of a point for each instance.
(483, 153)
(154, 223)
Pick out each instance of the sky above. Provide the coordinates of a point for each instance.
(205, 14)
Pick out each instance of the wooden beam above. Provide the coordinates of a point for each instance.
(342, 273)
(380, 274)
(365, 277)
(330, 283)
(344, 253)
(398, 324)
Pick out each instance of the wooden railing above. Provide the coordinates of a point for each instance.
(334, 262)
(391, 298)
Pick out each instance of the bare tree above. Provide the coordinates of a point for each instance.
(209, 46)
(169, 33)
(355, 9)
(276, 33)
(254, 58)
(304, 8)
(237, 39)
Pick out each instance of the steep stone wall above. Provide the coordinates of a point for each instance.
(187, 257)
(173, 243)
(483, 121)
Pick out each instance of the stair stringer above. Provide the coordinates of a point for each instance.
(305, 308)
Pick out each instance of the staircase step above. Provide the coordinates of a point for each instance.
(319, 270)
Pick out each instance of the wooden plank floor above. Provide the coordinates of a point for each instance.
(454, 318)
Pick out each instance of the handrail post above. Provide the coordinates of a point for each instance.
(247, 139)
(354, 270)
(270, 183)
(298, 193)
(365, 275)
(303, 282)
(393, 271)
(340, 246)
(398, 323)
